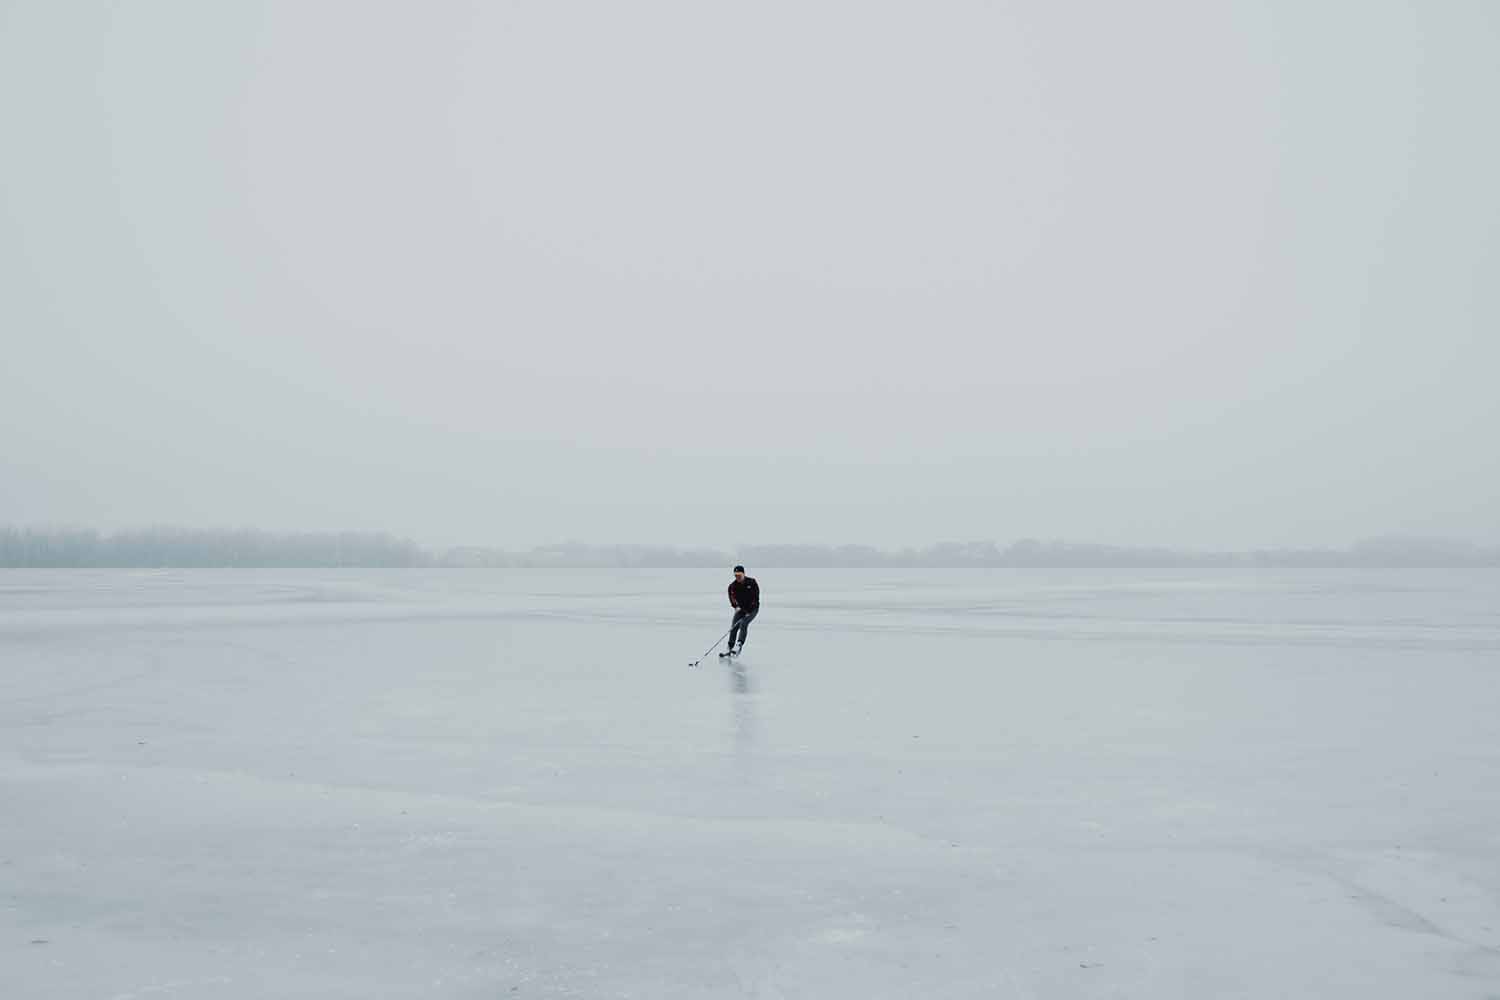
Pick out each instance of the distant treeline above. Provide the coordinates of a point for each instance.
(181, 547)
(178, 547)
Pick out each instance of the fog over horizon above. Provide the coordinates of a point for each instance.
(1200, 276)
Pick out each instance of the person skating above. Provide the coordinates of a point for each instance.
(744, 597)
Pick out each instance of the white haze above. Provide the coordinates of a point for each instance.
(1161, 273)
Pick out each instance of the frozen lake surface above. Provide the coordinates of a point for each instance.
(378, 784)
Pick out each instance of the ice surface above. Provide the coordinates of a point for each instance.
(914, 784)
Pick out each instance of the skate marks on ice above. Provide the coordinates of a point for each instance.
(1418, 892)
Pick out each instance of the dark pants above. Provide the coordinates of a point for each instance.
(741, 625)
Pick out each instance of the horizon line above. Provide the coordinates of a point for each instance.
(166, 546)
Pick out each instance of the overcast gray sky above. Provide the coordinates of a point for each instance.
(1201, 274)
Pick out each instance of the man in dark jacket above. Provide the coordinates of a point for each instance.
(744, 597)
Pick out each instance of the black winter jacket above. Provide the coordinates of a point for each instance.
(745, 594)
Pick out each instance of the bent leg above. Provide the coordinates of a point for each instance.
(744, 621)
